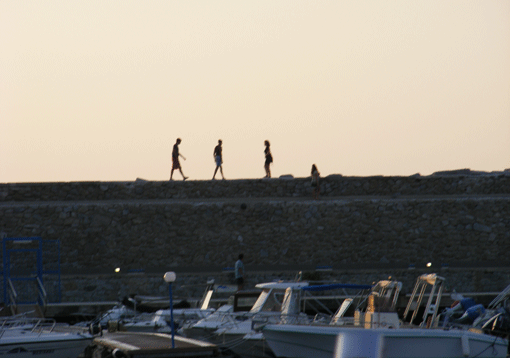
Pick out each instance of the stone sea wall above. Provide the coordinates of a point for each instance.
(286, 186)
(362, 229)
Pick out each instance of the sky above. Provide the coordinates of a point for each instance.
(99, 90)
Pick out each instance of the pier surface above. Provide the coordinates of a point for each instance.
(153, 345)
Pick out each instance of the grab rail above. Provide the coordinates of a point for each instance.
(13, 296)
(43, 296)
(34, 325)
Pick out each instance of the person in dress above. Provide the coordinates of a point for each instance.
(269, 159)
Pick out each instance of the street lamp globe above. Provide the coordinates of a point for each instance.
(169, 277)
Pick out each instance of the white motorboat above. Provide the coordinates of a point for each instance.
(283, 302)
(234, 330)
(24, 338)
(344, 342)
(127, 319)
(378, 332)
(160, 321)
(278, 302)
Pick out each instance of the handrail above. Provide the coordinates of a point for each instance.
(42, 323)
(34, 325)
(13, 295)
(504, 295)
(42, 293)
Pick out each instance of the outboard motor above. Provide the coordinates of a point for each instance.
(471, 314)
(457, 311)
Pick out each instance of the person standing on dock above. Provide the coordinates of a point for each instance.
(315, 182)
(239, 272)
(175, 160)
(269, 159)
(218, 158)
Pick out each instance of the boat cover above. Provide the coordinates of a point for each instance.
(335, 286)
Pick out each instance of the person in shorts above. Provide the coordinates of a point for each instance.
(218, 158)
(175, 160)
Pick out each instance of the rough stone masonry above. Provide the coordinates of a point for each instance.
(362, 228)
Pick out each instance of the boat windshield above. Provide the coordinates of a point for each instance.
(270, 300)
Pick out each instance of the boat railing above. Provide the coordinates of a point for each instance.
(380, 301)
(260, 321)
(41, 325)
(43, 296)
(233, 319)
(13, 296)
(228, 319)
(431, 309)
(327, 320)
(22, 322)
(311, 301)
(500, 299)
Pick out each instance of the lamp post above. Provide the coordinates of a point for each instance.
(169, 278)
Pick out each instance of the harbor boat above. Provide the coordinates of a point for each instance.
(44, 338)
(278, 302)
(128, 318)
(296, 302)
(227, 327)
(159, 322)
(343, 342)
(377, 332)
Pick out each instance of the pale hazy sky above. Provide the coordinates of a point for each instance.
(100, 90)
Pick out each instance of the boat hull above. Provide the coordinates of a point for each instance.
(253, 345)
(328, 342)
(49, 348)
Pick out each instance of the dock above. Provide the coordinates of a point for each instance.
(150, 345)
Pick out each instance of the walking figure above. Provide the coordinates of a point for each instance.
(269, 159)
(175, 160)
(239, 272)
(219, 159)
(315, 182)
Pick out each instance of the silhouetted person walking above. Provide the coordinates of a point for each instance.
(269, 159)
(239, 272)
(315, 182)
(218, 158)
(175, 160)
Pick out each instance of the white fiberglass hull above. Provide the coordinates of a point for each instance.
(240, 346)
(54, 345)
(237, 341)
(252, 345)
(342, 342)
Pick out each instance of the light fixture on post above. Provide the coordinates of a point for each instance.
(170, 278)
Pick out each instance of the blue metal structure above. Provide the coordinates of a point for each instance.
(37, 275)
(335, 286)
